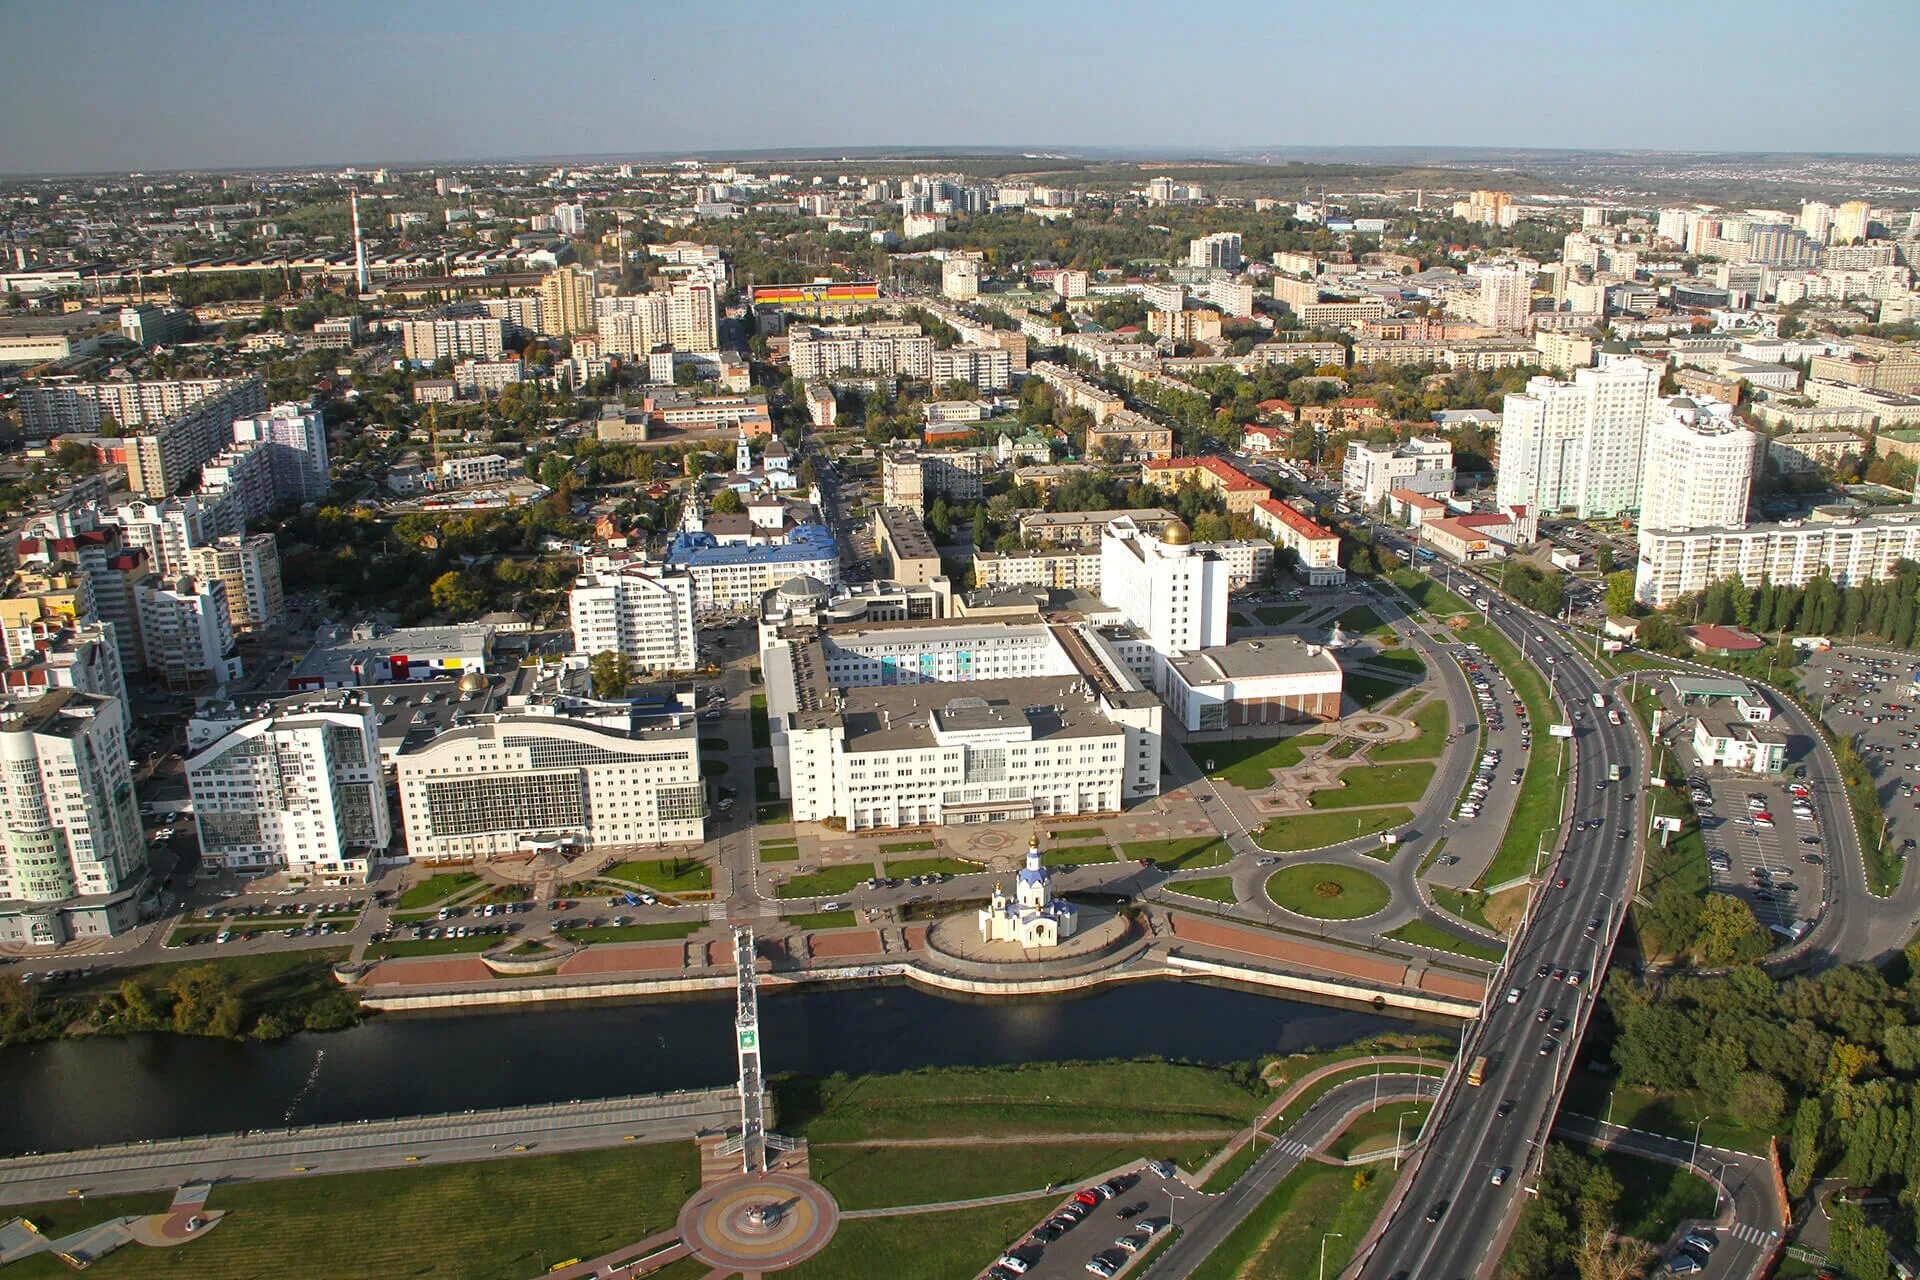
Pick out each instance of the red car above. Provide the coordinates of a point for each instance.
(1561, 883)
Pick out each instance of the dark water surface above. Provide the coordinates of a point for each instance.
(78, 1093)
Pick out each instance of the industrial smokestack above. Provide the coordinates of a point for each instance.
(359, 247)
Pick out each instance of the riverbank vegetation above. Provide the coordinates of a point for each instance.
(264, 997)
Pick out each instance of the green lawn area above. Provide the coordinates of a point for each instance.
(1428, 594)
(433, 946)
(1375, 784)
(1404, 661)
(660, 931)
(1537, 807)
(780, 851)
(1075, 855)
(1315, 830)
(1362, 620)
(1179, 854)
(1034, 1097)
(941, 866)
(1470, 906)
(781, 811)
(766, 783)
(868, 1177)
(436, 889)
(492, 1218)
(1431, 723)
(1376, 1130)
(1065, 835)
(1344, 748)
(664, 875)
(827, 882)
(1420, 933)
(1328, 891)
(1277, 615)
(1367, 690)
(910, 846)
(757, 720)
(1248, 763)
(1238, 621)
(1671, 1113)
(1216, 888)
(920, 1246)
(1280, 1239)
(823, 920)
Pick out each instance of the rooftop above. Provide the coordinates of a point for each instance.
(901, 717)
(1252, 659)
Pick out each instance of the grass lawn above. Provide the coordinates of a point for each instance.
(826, 882)
(1420, 933)
(771, 813)
(1238, 621)
(1375, 784)
(1248, 763)
(1216, 888)
(910, 846)
(1537, 807)
(757, 719)
(866, 1177)
(433, 946)
(1309, 1204)
(766, 783)
(1470, 906)
(1671, 1113)
(1327, 891)
(941, 866)
(1236, 1164)
(823, 920)
(1035, 1097)
(1344, 748)
(1276, 615)
(436, 889)
(1066, 835)
(1176, 855)
(1428, 594)
(1404, 661)
(491, 1218)
(664, 875)
(920, 1246)
(1375, 1130)
(1316, 830)
(1431, 724)
(1362, 620)
(1075, 855)
(660, 931)
(779, 853)
(1368, 690)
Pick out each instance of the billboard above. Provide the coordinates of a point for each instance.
(802, 295)
(1560, 730)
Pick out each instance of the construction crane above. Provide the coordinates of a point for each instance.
(433, 425)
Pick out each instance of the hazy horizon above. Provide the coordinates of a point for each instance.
(118, 86)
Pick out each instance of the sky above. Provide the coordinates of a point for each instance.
(114, 85)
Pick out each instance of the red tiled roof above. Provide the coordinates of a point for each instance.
(1293, 519)
(1412, 499)
(1731, 638)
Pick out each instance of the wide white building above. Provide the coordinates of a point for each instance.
(1578, 445)
(519, 782)
(1174, 593)
(639, 610)
(299, 789)
(1853, 549)
(1699, 466)
(1370, 472)
(75, 856)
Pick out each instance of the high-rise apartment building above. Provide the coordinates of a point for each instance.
(1220, 250)
(451, 337)
(74, 853)
(298, 436)
(1577, 445)
(1506, 296)
(298, 789)
(960, 277)
(187, 630)
(640, 611)
(1816, 219)
(1699, 466)
(160, 460)
(55, 408)
(1850, 221)
(566, 301)
(247, 566)
(1173, 591)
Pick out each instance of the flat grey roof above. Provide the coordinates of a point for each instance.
(898, 717)
(1253, 657)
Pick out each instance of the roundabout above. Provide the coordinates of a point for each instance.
(758, 1222)
(1328, 891)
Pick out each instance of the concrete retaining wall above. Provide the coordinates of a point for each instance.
(1326, 987)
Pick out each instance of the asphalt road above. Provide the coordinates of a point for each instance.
(1527, 1063)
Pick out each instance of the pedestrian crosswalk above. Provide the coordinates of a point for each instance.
(1294, 1147)
(1750, 1234)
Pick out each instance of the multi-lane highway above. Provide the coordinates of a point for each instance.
(1451, 1212)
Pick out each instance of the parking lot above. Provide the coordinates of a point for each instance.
(1868, 696)
(1113, 1233)
(1474, 827)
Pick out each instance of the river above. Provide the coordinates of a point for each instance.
(68, 1094)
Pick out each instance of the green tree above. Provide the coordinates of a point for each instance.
(1603, 558)
(454, 592)
(1619, 594)
(727, 502)
(611, 673)
(1729, 933)
(1857, 1248)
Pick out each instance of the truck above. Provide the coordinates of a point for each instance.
(1477, 1073)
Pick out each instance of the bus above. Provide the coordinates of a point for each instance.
(1424, 553)
(1477, 1073)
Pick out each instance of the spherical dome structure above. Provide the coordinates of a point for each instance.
(473, 682)
(1177, 534)
(803, 589)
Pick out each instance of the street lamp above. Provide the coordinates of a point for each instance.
(1694, 1162)
(1331, 1235)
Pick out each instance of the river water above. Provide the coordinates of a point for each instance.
(78, 1093)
